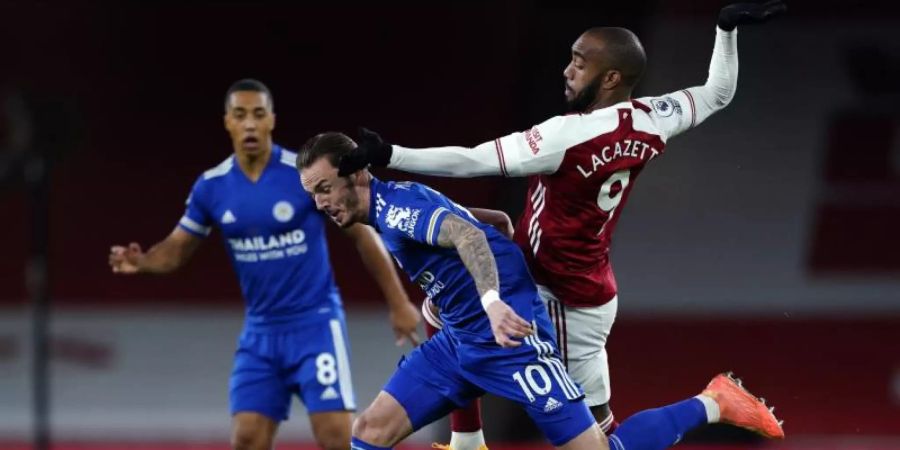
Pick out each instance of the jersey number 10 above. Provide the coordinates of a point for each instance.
(533, 386)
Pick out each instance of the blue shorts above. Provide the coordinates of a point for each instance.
(312, 361)
(443, 374)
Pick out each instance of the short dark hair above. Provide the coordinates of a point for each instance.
(624, 50)
(248, 84)
(331, 144)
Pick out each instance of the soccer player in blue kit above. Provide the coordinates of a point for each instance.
(294, 339)
(504, 344)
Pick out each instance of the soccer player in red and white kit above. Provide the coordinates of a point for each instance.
(581, 168)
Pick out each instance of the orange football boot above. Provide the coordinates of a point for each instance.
(738, 407)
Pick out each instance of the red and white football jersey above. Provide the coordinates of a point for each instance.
(584, 167)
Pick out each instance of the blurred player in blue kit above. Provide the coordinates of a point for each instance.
(294, 339)
(503, 344)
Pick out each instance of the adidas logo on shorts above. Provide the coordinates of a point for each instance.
(329, 394)
(552, 405)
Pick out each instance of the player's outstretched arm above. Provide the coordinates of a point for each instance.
(404, 315)
(538, 150)
(475, 252)
(497, 219)
(373, 151)
(721, 83)
(166, 256)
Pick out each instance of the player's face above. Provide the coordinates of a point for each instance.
(250, 121)
(583, 74)
(334, 195)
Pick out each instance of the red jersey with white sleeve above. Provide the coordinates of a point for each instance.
(587, 165)
(581, 169)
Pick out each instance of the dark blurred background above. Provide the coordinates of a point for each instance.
(764, 242)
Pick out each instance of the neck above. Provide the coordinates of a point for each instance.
(609, 98)
(253, 164)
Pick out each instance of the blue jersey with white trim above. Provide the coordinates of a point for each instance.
(274, 236)
(409, 216)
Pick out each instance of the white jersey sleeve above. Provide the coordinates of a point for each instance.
(538, 150)
(680, 111)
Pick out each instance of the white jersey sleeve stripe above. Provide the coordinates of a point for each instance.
(499, 147)
(693, 105)
(433, 231)
(191, 225)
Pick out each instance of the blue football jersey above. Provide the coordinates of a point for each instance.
(409, 216)
(274, 236)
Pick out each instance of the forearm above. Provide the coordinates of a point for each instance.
(170, 254)
(481, 160)
(476, 255)
(162, 258)
(721, 83)
(474, 250)
(380, 266)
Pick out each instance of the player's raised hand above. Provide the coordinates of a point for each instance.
(748, 13)
(506, 324)
(125, 260)
(405, 320)
(370, 150)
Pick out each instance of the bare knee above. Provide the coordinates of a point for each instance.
(249, 439)
(369, 431)
(384, 423)
(375, 429)
(331, 430)
(333, 441)
(251, 431)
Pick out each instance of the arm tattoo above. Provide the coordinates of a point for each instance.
(474, 250)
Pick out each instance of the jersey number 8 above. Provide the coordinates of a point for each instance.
(326, 370)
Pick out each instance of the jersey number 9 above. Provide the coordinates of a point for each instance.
(606, 200)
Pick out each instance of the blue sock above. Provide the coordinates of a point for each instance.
(659, 428)
(358, 444)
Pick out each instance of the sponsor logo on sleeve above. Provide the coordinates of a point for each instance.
(666, 106)
(533, 137)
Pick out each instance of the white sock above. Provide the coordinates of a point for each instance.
(466, 441)
(712, 408)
